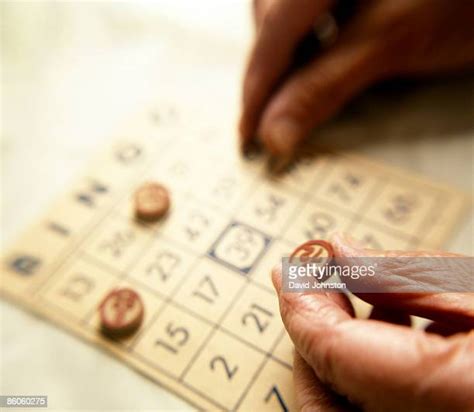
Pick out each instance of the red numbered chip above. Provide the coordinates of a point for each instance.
(317, 251)
(152, 201)
(121, 312)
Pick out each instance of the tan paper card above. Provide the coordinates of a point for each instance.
(212, 333)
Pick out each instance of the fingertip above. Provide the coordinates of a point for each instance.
(243, 131)
(248, 144)
(280, 136)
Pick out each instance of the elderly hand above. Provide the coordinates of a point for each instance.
(383, 38)
(343, 363)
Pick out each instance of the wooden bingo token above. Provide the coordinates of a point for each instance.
(317, 251)
(152, 201)
(121, 312)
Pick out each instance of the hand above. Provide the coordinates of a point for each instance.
(343, 363)
(384, 38)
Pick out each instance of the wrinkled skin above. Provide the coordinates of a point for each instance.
(346, 364)
(343, 363)
(383, 39)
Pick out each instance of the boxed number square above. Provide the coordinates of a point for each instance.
(239, 247)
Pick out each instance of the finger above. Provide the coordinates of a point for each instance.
(391, 316)
(316, 92)
(260, 8)
(401, 366)
(311, 394)
(283, 25)
(454, 307)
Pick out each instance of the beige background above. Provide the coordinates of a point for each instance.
(72, 71)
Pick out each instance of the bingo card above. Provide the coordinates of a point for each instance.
(211, 332)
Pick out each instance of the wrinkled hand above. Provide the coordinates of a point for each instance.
(384, 38)
(343, 363)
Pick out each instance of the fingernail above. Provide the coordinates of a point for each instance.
(250, 148)
(282, 136)
(277, 165)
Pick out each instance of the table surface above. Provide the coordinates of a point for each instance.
(71, 71)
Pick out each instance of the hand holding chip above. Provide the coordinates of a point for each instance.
(342, 362)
